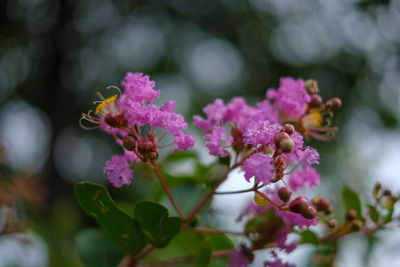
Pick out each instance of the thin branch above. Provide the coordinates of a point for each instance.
(166, 189)
(239, 191)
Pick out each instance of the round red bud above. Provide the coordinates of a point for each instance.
(284, 194)
(334, 104)
(110, 120)
(298, 205)
(145, 146)
(309, 213)
(332, 224)
(129, 143)
(289, 129)
(315, 102)
(323, 205)
(350, 215)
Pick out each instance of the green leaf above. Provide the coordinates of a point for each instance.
(120, 226)
(373, 213)
(181, 155)
(309, 237)
(220, 242)
(155, 223)
(389, 216)
(95, 249)
(352, 201)
(185, 244)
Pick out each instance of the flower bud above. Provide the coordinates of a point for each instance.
(110, 120)
(350, 215)
(286, 145)
(309, 213)
(332, 224)
(334, 104)
(323, 205)
(387, 193)
(356, 226)
(298, 205)
(289, 129)
(284, 194)
(129, 143)
(315, 102)
(312, 86)
(279, 137)
(145, 146)
(153, 155)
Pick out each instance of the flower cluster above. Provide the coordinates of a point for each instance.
(268, 141)
(124, 116)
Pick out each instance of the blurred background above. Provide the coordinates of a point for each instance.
(56, 54)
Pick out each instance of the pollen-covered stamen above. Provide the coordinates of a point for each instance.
(89, 118)
(106, 105)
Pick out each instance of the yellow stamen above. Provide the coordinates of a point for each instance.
(313, 119)
(103, 104)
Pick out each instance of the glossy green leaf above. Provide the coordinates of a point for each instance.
(389, 216)
(155, 223)
(352, 201)
(220, 242)
(309, 237)
(95, 249)
(120, 226)
(373, 213)
(195, 247)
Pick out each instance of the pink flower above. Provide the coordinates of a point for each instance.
(259, 166)
(291, 97)
(139, 87)
(215, 138)
(307, 176)
(183, 141)
(260, 133)
(118, 169)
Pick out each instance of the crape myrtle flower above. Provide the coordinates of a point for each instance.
(123, 115)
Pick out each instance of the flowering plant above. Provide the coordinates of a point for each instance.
(265, 141)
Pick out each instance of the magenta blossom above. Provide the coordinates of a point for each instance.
(119, 169)
(307, 176)
(259, 166)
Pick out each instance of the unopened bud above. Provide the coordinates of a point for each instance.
(332, 224)
(279, 137)
(298, 205)
(284, 194)
(129, 143)
(286, 145)
(145, 146)
(153, 155)
(309, 213)
(110, 120)
(387, 193)
(312, 87)
(323, 205)
(334, 104)
(289, 129)
(315, 102)
(356, 226)
(350, 215)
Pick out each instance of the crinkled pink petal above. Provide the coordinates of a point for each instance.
(307, 176)
(259, 166)
(139, 87)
